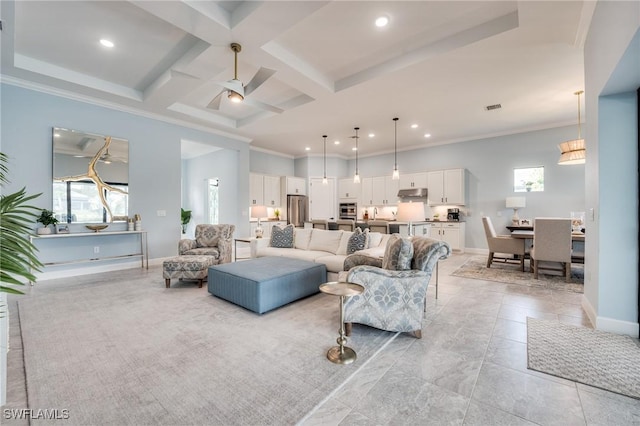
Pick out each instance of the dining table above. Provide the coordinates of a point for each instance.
(528, 235)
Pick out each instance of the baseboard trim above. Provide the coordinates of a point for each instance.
(476, 251)
(619, 327)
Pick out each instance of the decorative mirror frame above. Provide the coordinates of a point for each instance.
(89, 159)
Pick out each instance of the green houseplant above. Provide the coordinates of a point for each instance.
(185, 216)
(17, 254)
(46, 218)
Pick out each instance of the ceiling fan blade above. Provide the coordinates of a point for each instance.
(262, 105)
(234, 85)
(215, 102)
(261, 76)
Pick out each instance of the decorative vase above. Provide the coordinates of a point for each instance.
(45, 230)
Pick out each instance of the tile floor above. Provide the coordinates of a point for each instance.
(470, 367)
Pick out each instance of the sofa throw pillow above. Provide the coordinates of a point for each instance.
(358, 241)
(282, 237)
(344, 242)
(323, 240)
(398, 254)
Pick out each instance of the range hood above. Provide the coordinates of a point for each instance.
(413, 193)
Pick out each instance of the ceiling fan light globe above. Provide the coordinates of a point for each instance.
(235, 97)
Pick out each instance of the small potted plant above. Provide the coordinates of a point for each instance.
(528, 186)
(185, 217)
(276, 213)
(436, 217)
(46, 218)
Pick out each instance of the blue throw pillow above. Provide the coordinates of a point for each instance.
(282, 237)
(358, 241)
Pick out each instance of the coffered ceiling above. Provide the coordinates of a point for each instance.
(436, 64)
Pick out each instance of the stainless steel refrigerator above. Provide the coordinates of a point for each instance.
(297, 208)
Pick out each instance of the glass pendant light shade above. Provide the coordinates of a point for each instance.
(324, 176)
(573, 151)
(396, 173)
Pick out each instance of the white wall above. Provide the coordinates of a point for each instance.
(612, 60)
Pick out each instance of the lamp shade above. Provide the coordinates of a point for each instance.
(572, 152)
(410, 212)
(516, 202)
(259, 212)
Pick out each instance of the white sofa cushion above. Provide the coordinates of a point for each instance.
(323, 240)
(333, 262)
(309, 255)
(374, 239)
(344, 242)
(301, 238)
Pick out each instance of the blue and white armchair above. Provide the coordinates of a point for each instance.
(393, 300)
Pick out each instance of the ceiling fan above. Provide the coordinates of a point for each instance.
(237, 92)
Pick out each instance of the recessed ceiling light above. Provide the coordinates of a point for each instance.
(414, 126)
(382, 21)
(427, 135)
(56, 135)
(372, 135)
(307, 149)
(106, 43)
(354, 149)
(336, 142)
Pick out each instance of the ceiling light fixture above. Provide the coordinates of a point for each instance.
(336, 142)
(427, 135)
(307, 149)
(414, 126)
(573, 151)
(234, 95)
(382, 21)
(324, 178)
(356, 177)
(106, 43)
(396, 173)
(372, 135)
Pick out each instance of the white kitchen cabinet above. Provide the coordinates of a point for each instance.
(419, 229)
(379, 191)
(446, 187)
(412, 180)
(293, 185)
(450, 232)
(348, 189)
(272, 191)
(256, 189)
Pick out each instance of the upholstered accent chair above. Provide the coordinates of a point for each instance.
(393, 300)
(503, 244)
(346, 224)
(210, 240)
(381, 226)
(551, 243)
(320, 224)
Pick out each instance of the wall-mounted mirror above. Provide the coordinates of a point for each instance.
(90, 177)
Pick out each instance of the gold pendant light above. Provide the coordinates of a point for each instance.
(573, 151)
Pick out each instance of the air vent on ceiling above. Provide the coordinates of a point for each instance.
(491, 107)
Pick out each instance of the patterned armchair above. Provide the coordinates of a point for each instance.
(211, 240)
(393, 300)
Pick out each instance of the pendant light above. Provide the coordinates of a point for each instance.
(356, 177)
(324, 177)
(396, 173)
(573, 151)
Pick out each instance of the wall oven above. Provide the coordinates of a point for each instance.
(349, 211)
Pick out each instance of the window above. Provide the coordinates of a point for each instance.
(530, 179)
(212, 200)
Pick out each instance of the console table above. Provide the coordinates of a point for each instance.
(87, 246)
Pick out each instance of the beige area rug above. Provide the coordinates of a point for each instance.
(135, 353)
(476, 268)
(596, 358)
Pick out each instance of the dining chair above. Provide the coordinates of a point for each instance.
(346, 224)
(381, 226)
(503, 244)
(551, 243)
(320, 224)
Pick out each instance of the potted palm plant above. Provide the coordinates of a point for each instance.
(46, 218)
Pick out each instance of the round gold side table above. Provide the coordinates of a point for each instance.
(341, 354)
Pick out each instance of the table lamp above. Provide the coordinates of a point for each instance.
(515, 203)
(258, 212)
(410, 212)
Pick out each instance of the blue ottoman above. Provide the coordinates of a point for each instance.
(266, 283)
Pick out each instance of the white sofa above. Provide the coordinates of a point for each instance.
(320, 246)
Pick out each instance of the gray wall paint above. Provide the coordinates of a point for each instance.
(611, 58)
(154, 152)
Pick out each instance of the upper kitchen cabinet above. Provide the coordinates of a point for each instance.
(264, 190)
(446, 187)
(291, 185)
(412, 180)
(379, 191)
(256, 189)
(348, 190)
